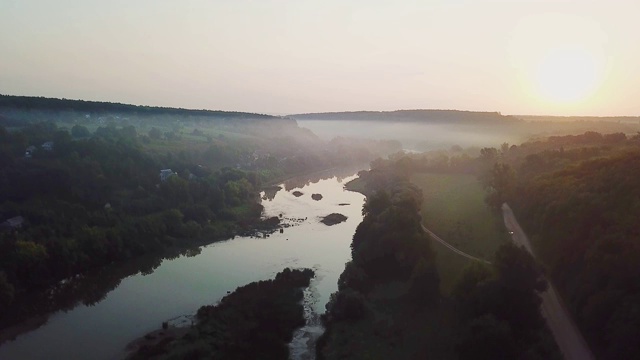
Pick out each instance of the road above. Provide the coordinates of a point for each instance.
(564, 330)
(450, 247)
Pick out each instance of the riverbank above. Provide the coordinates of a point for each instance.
(356, 185)
(125, 301)
(256, 321)
(32, 309)
(304, 178)
(386, 306)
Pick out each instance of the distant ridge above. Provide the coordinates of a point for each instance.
(95, 107)
(420, 115)
(578, 118)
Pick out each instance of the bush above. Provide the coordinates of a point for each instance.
(79, 131)
(346, 305)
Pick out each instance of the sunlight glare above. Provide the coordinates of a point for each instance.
(567, 75)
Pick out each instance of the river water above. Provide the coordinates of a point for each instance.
(175, 288)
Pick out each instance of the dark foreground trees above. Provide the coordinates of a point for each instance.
(584, 222)
(392, 259)
(499, 308)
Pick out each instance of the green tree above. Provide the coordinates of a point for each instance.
(30, 259)
(6, 292)
(155, 133)
(487, 338)
(503, 301)
(504, 149)
(488, 155)
(499, 183)
(79, 131)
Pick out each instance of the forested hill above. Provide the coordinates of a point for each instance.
(619, 119)
(414, 116)
(33, 103)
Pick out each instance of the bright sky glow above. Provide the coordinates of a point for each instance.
(567, 75)
(286, 56)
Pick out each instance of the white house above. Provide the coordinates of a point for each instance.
(166, 173)
(48, 146)
(29, 152)
(13, 223)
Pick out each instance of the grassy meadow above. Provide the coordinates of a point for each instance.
(454, 209)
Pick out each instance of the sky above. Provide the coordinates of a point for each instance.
(295, 56)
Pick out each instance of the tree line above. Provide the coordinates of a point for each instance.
(31, 103)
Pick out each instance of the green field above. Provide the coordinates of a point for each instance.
(454, 209)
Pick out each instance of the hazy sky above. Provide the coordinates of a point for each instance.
(517, 57)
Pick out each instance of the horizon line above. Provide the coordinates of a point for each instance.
(287, 114)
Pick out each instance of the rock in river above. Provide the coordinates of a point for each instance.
(333, 219)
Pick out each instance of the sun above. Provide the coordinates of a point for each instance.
(567, 75)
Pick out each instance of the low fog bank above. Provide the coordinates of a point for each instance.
(419, 137)
(179, 139)
(425, 137)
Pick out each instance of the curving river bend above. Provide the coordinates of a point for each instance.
(179, 286)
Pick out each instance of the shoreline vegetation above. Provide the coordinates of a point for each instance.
(389, 305)
(88, 186)
(256, 321)
(39, 313)
(389, 280)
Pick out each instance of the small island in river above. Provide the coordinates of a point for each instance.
(333, 219)
(297, 193)
(239, 327)
(316, 197)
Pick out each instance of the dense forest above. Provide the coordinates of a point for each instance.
(577, 197)
(89, 202)
(584, 222)
(389, 305)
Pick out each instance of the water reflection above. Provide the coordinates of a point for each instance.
(314, 178)
(88, 289)
(102, 311)
(270, 192)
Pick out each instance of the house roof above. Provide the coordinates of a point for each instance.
(14, 222)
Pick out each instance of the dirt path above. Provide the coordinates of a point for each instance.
(450, 247)
(567, 335)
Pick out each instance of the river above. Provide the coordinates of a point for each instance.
(174, 288)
